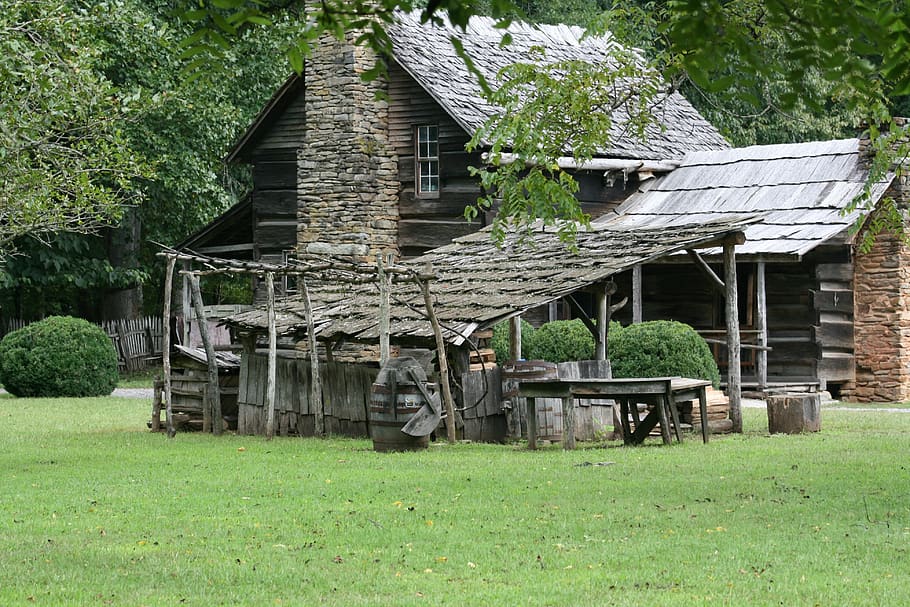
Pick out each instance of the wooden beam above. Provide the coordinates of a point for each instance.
(602, 309)
(702, 265)
(761, 323)
(637, 300)
(273, 355)
(734, 377)
(212, 420)
(582, 315)
(166, 344)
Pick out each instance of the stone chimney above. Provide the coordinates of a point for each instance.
(347, 171)
(882, 306)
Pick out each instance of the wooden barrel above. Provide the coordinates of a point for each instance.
(394, 399)
(549, 410)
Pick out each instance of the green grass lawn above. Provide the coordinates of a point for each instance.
(95, 510)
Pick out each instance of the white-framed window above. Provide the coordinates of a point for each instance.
(427, 160)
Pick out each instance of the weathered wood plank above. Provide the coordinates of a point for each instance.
(840, 368)
(833, 301)
(833, 334)
(275, 175)
(840, 272)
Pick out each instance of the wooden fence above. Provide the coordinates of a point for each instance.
(137, 341)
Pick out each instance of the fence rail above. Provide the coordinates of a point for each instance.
(137, 341)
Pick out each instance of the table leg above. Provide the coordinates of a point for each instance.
(532, 423)
(568, 422)
(703, 409)
(662, 407)
(675, 415)
(624, 420)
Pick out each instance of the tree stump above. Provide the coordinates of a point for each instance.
(794, 413)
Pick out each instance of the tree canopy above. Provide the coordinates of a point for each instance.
(65, 163)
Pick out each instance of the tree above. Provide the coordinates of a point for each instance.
(183, 127)
(65, 164)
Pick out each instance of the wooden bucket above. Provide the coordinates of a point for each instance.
(394, 399)
(549, 410)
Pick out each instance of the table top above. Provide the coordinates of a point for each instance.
(611, 388)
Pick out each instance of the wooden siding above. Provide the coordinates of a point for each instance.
(427, 223)
(286, 130)
(274, 200)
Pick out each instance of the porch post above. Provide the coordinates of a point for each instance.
(761, 322)
(734, 378)
(515, 338)
(636, 294)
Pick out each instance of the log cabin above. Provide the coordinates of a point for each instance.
(351, 168)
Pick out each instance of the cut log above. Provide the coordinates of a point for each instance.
(794, 413)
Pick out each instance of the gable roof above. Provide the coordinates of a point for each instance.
(801, 191)
(479, 284)
(426, 53)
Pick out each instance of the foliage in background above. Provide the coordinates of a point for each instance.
(58, 356)
(65, 162)
(662, 348)
(181, 127)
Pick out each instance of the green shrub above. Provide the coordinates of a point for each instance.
(500, 341)
(562, 340)
(58, 356)
(662, 348)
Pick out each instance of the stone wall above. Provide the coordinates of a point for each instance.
(882, 314)
(347, 171)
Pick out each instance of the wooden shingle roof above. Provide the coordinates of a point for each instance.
(799, 190)
(425, 51)
(479, 284)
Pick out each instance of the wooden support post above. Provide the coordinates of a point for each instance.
(602, 305)
(515, 338)
(568, 423)
(212, 420)
(273, 357)
(761, 322)
(734, 379)
(424, 283)
(315, 377)
(636, 294)
(186, 305)
(157, 388)
(532, 422)
(384, 312)
(166, 344)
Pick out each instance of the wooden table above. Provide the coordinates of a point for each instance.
(662, 392)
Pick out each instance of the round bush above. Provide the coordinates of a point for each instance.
(500, 341)
(563, 340)
(662, 348)
(58, 356)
